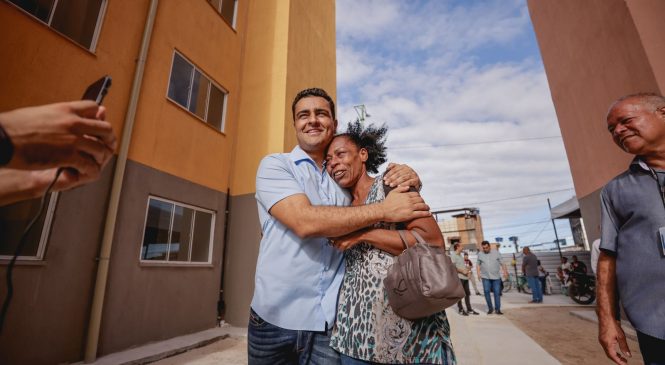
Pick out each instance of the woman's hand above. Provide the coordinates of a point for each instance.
(347, 241)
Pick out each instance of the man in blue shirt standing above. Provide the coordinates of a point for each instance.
(632, 243)
(298, 272)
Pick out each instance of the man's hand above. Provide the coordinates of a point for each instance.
(398, 175)
(403, 206)
(72, 134)
(611, 336)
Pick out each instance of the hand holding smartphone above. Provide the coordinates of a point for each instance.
(98, 90)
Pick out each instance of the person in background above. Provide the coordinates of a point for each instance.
(542, 276)
(578, 266)
(489, 268)
(463, 274)
(472, 275)
(565, 265)
(530, 270)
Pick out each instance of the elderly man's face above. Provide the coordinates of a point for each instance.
(636, 127)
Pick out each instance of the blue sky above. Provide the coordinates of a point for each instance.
(467, 73)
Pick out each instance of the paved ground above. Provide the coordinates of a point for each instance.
(528, 334)
(556, 332)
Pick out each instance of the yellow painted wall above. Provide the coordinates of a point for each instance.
(167, 136)
(262, 96)
(290, 46)
(41, 66)
(312, 49)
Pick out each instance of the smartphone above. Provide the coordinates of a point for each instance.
(97, 90)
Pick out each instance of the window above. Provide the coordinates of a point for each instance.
(14, 218)
(78, 20)
(227, 8)
(194, 91)
(177, 233)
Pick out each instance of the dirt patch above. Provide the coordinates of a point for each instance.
(571, 340)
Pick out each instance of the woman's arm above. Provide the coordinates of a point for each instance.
(389, 240)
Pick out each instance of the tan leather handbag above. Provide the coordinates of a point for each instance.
(422, 281)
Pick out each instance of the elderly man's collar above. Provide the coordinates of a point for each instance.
(638, 164)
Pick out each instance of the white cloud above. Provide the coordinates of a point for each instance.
(443, 93)
(351, 66)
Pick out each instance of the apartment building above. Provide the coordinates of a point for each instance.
(201, 91)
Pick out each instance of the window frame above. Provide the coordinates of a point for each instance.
(218, 10)
(95, 34)
(45, 233)
(189, 95)
(191, 239)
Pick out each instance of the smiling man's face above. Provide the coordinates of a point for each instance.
(314, 124)
(636, 127)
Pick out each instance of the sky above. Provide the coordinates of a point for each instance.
(462, 88)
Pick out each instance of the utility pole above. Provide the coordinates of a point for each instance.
(554, 225)
(514, 240)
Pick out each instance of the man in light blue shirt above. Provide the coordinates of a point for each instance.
(298, 272)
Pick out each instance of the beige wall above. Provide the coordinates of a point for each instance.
(593, 53)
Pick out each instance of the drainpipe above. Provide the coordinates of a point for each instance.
(92, 340)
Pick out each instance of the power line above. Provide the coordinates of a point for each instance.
(533, 241)
(471, 143)
(504, 199)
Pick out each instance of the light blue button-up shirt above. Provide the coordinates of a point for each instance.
(297, 280)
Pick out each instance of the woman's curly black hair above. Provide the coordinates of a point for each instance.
(371, 138)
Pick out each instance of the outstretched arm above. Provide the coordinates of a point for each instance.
(389, 240)
(18, 185)
(307, 220)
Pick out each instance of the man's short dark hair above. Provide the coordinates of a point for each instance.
(485, 243)
(314, 91)
(455, 245)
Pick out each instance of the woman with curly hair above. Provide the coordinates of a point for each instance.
(367, 331)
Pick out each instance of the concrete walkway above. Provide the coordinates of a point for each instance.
(481, 339)
(493, 339)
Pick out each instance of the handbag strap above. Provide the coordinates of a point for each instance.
(402, 235)
(417, 236)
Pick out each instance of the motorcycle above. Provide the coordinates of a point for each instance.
(582, 288)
